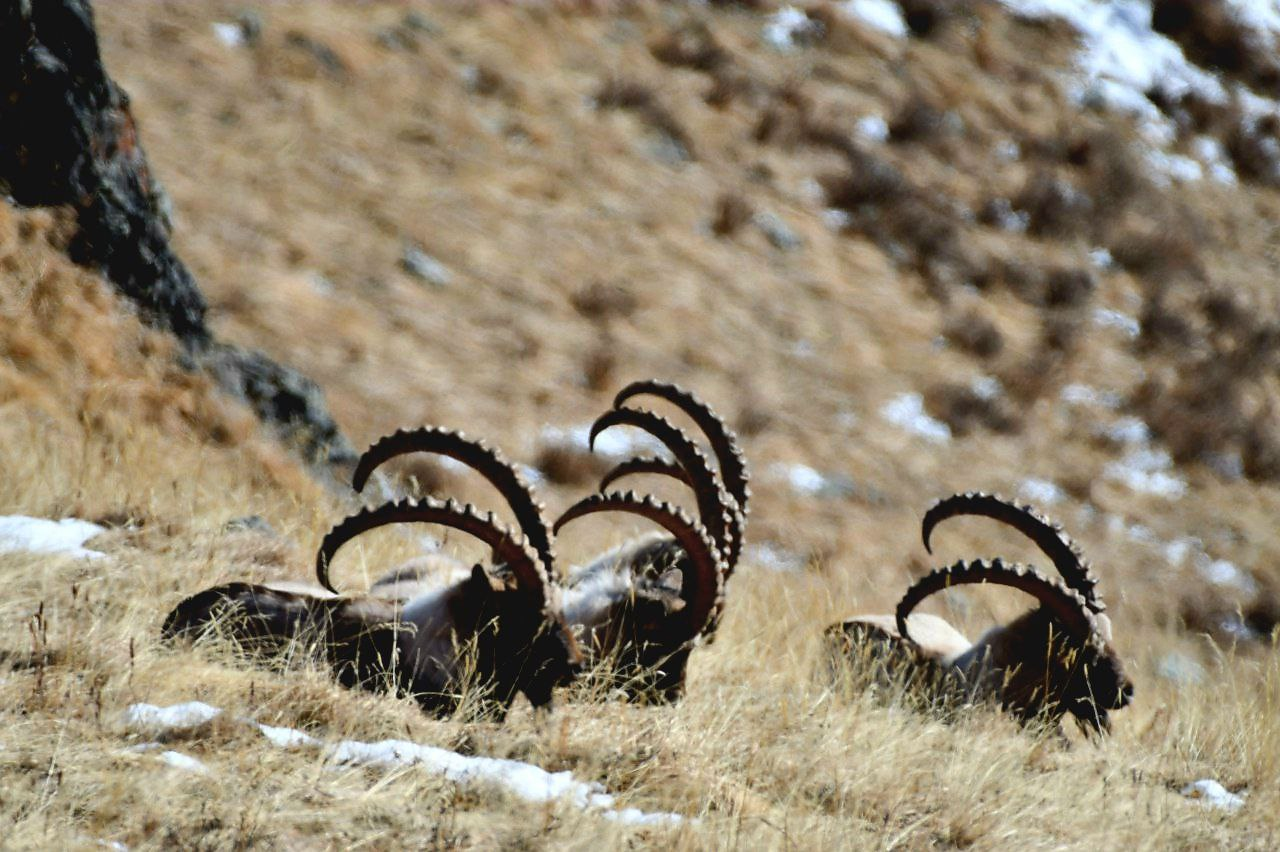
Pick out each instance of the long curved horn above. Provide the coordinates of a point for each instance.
(642, 465)
(733, 464)
(509, 548)
(478, 456)
(1066, 605)
(662, 467)
(702, 595)
(714, 506)
(1048, 536)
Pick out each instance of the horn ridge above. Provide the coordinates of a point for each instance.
(480, 457)
(1067, 605)
(509, 547)
(714, 506)
(703, 595)
(733, 464)
(644, 465)
(1055, 543)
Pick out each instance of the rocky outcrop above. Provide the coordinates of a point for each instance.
(68, 139)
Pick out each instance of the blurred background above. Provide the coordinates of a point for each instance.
(906, 248)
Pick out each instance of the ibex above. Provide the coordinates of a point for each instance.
(639, 630)
(637, 608)
(423, 636)
(1053, 660)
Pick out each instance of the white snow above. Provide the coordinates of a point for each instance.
(1146, 470)
(1041, 491)
(1180, 668)
(790, 27)
(907, 411)
(524, 780)
(1212, 794)
(882, 15)
(178, 760)
(773, 557)
(38, 535)
(616, 442)
(836, 219)
(287, 737)
(1122, 58)
(190, 714)
(1222, 572)
(873, 128)
(1129, 430)
(229, 34)
(1108, 318)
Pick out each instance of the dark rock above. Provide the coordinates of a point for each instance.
(68, 139)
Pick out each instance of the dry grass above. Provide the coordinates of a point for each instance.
(583, 255)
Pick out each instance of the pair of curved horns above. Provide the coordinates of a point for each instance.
(722, 497)
(1067, 606)
(478, 456)
(702, 595)
(1048, 536)
(509, 548)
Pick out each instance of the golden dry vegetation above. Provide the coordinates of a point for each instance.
(587, 246)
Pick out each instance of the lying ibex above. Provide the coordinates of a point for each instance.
(1053, 660)
(645, 602)
(419, 635)
(637, 608)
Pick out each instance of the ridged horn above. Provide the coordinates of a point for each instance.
(714, 507)
(644, 465)
(478, 456)
(733, 464)
(702, 595)
(1048, 536)
(1067, 606)
(509, 548)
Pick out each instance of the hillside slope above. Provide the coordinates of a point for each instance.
(901, 266)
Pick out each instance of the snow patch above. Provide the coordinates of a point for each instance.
(883, 15)
(231, 35)
(191, 714)
(1041, 491)
(1212, 794)
(524, 780)
(618, 441)
(789, 28)
(1146, 470)
(1108, 318)
(186, 763)
(907, 411)
(773, 557)
(19, 533)
(872, 128)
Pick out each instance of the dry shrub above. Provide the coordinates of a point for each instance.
(975, 334)
(601, 301)
(732, 212)
(967, 411)
(1055, 207)
(691, 46)
(1214, 34)
(566, 465)
(639, 98)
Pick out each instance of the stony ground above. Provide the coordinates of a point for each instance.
(491, 219)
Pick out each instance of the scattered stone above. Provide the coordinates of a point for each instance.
(424, 267)
(777, 232)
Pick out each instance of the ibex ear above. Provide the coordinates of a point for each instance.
(1104, 626)
(672, 581)
(482, 579)
(669, 586)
